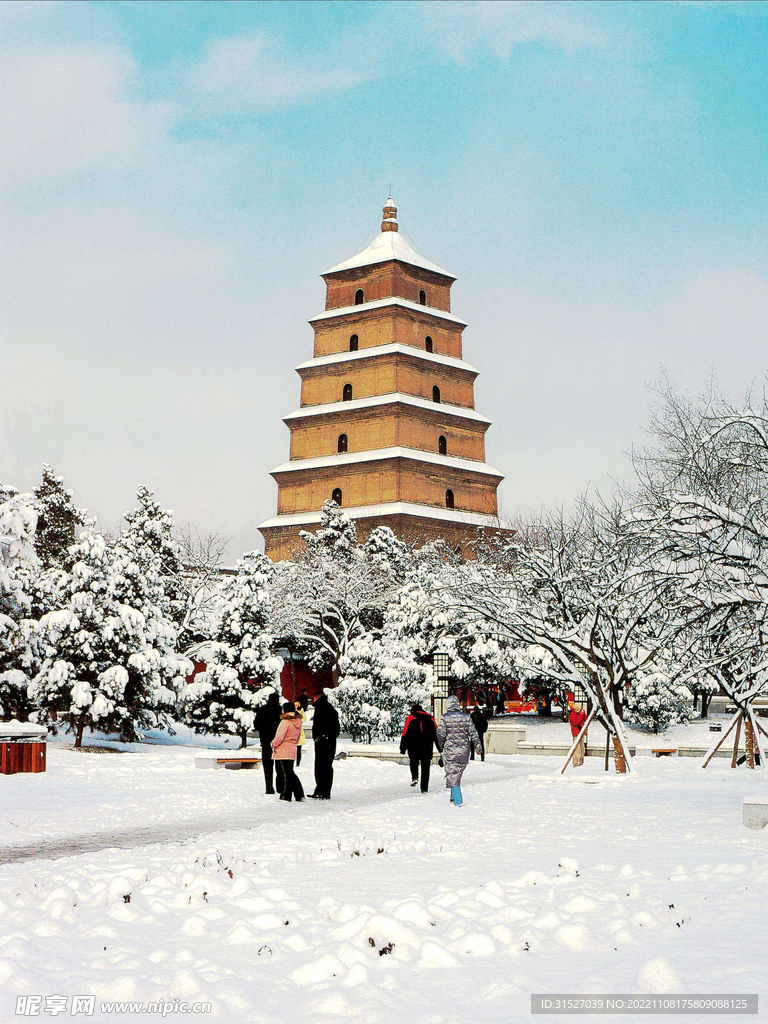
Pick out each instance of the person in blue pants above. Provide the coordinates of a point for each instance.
(456, 739)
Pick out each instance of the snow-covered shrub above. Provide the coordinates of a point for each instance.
(241, 666)
(658, 703)
(380, 681)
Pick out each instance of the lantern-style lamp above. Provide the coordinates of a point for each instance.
(441, 662)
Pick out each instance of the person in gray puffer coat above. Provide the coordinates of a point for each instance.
(456, 739)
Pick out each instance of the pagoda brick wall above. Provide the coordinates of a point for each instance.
(384, 376)
(373, 483)
(387, 326)
(386, 427)
(386, 280)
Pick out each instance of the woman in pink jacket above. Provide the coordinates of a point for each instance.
(284, 753)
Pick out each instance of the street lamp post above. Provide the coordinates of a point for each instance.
(442, 665)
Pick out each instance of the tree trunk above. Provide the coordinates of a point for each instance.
(705, 698)
(749, 739)
(243, 738)
(618, 757)
(79, 731)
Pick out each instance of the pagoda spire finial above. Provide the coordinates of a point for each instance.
(390, 215)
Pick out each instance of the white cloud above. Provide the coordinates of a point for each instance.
(466, 30)
(257, 71)
(65, 110)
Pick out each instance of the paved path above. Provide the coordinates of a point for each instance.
(265, 810)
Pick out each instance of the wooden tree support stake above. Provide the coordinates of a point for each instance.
(575, 743)
(721, 740)
(735, 757)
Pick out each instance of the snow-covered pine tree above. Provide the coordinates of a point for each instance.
(149, 541)
(337, 533)
(18, 518)
(381, 679)
(59, 520)
(109, 660)
(242, 669)
(658, 702)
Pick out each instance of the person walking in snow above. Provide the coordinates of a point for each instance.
(284, 753)
(576, 720)
(267, 721)
(417, 741)
(480, 723)
(456, 739)
(325, 732)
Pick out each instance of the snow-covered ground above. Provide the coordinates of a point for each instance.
(383, 906)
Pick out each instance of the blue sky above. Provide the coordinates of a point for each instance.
(175, 176)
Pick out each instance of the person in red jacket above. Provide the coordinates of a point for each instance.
(576, 720)
(418, 739)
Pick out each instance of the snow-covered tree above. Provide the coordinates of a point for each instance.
(149, 549)
(703, 503)
(109, 660)
(480, 659)
(59, 520)
(18, 517)
(381, 680)
(657, 702)
(587, 591)
(336, 590)
(202, 585)
(241, 666)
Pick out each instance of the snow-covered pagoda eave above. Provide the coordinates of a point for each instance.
(392, 398)
(364, 307)
(380, 454)
(393, 508)
(385, 350)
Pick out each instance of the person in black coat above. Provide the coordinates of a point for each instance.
(417, 741)
(267, 721)
(325, 732)
(480, 721)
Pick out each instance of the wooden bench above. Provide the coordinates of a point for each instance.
(664, 751)
(224, 759)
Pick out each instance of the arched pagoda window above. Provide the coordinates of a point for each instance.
(442, 445)
(359, 297)
(423, 298)
(346, 394)
(435, 393)
(428, 344)
(353, 343)
(343, 443)
(449, 502)
(336, 495)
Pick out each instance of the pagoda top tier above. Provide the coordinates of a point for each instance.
(388, 245)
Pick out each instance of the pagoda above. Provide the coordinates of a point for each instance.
(387, 425)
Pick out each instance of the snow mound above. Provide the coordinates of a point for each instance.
(658, 976)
